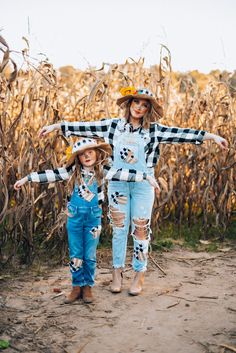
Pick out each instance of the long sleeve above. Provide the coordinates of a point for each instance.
(166, 134)
(51, 175)
(121, 174)
(89, 128)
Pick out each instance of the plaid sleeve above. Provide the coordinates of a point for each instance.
(89, 128)
(166, 134)
(51, 175)
(121, 174)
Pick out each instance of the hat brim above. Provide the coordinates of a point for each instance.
(156, 106)
(104, 147)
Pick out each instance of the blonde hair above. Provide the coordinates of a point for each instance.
(148, 118)
(101, 159)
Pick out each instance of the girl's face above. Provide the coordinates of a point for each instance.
(88, 158)
(139, 108)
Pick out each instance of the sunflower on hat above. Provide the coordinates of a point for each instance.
(124, 91)
(68, 152)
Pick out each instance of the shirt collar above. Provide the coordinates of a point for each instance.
(86, 173)
(126, 126)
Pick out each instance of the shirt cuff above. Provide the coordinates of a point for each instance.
(65, 132)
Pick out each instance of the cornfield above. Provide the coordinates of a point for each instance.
(198, 182)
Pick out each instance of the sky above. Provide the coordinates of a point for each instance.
(200, 34)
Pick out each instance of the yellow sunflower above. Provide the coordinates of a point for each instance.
(125, 91)
(68, 152)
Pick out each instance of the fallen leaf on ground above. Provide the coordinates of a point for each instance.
(56, 290)
(204, 242)
(224, 249)
(4, 344)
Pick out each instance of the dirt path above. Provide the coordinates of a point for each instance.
(191, 310)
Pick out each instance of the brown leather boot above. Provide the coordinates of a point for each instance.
(74, 295)
(87, 295)
(116, 280)
(137, 284)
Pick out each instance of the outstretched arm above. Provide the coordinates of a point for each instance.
(46, 176)
(121, 174)
(223, 143)
(167, 134)
(49, 128)
(20, 183)
(79, 128)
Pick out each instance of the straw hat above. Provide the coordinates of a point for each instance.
(86, 143)
(140, 93)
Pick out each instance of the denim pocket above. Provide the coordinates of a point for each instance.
(97, 212)
(71, 210)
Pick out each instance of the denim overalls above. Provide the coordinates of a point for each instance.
(84, 227)
(131, 201)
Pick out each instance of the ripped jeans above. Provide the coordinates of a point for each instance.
(130, 202)
(83, 227)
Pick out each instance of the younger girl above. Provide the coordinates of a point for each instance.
(84, 171)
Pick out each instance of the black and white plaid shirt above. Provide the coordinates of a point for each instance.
(64, 173)
(110, 129)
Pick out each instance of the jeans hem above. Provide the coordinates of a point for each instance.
(118, 266)
(89, 284)
(141, 270)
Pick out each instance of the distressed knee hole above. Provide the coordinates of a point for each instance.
(117, 198)
(117, 217)
(96, 231)
(75, 264)
(142, 228)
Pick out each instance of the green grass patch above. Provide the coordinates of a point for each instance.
(162, 245)
(194, 237)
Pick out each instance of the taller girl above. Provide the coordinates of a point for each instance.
(135, 140)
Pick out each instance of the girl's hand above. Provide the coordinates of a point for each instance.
(152, 181)
(20, 183)
(47, 129)
(223, 143)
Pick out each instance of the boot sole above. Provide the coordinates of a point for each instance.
(115, 291)
(71, 301)
(88, 301)
(134, 293)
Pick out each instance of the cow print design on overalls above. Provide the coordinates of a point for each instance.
(127, 156)
(85, 193)
(117, 197)
(75, 264)
(95, 231)
(139, 252)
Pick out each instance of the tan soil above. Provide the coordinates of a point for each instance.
(190, 310)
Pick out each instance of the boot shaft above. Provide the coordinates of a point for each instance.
(117, 277)
(74, 295)
(87, 294)
(137, 284)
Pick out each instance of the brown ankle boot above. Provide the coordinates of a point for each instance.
(116, 280)
(137, 284)
(73, 296)
(87, 294)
